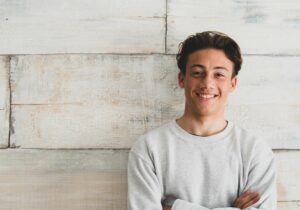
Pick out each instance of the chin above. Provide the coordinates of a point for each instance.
(201, 112)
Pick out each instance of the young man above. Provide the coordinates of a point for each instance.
(201, 161)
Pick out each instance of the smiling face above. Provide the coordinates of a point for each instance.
(207, 82)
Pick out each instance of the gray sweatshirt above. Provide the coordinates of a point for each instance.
(173, 167)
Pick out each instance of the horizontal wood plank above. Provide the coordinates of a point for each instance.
(81, 126)
(63, 179)
(259, 27)
(77, 9)
(105, 35)
(112, 96)
(30, 27)
(95, 179)
(127, 95)
(293, 205)
(268, 80)
(75, 78)
(104, 126)
(92, 79)
(4, 100)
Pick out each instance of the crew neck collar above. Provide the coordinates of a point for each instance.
(194, 138)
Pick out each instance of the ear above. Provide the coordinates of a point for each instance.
(181, 79)
(233, 83)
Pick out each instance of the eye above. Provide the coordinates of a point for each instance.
(220, 75)
(196, 73)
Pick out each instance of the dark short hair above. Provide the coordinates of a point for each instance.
(209, 39)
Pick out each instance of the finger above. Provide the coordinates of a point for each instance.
(240, 197)
(244, 195)
(251, 202)
(245, 199)
(247, 193)
(166, 207)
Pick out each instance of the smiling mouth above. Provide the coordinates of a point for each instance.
(206, 96)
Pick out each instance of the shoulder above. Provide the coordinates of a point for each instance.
(253, 146)
(150, 139)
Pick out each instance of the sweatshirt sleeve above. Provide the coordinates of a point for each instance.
(144, 191)
(260, 178)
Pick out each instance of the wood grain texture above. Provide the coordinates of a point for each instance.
(272, 80)
(92, 79)
(293, 205)
(89, 9)
(79, 126)
(267, 99)
(31, 27)
(72, 78)
(58, 100)
(260, 27)
(4, 101)
(63, 179)
(279, 125)
(94, 179)
(288, 171)
(93, 101)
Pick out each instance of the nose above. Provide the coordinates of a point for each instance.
(207, 81)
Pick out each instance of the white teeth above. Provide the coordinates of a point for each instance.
(205, 96)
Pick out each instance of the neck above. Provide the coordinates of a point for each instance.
(202, 125)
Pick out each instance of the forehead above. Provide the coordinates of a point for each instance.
(209, 58)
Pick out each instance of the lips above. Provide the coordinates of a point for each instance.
(206, 96)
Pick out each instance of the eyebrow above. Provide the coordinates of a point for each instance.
(203, 67)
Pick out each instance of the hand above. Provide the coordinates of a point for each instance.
(246, 200)
(167, 207)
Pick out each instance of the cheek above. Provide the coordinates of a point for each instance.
(190, 84)
(225, 88)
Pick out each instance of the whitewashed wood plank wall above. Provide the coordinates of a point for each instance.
(260, 27)
(81, 80)
(40, 27)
